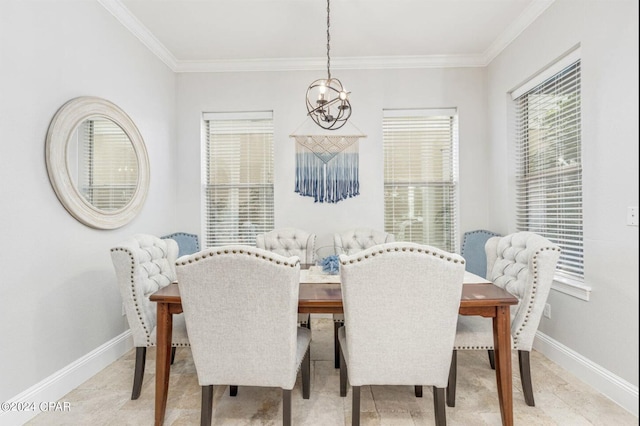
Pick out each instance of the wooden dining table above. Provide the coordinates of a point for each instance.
(322, 294)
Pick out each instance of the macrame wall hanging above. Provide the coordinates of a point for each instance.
(327, 167)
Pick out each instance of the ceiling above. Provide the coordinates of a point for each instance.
(251, 35)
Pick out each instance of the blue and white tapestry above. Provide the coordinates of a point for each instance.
(327, 167)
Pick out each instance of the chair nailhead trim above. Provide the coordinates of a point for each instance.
(220, 252)
(410, 249)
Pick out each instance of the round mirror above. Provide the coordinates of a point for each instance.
(97, 162)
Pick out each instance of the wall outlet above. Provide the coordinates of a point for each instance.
(632, 216)
(547, 311)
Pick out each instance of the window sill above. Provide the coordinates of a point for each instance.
(572, 287)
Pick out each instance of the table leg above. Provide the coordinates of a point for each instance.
(163, 359)
(502, 348)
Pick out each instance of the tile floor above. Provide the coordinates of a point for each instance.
(561, 399)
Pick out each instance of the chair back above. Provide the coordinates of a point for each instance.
(401, 304)
(143, 265)
(473, 251)
(240, 305)
(187, 243)
(356, 240)
(289, 242)
(524, 264)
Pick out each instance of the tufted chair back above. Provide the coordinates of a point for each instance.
(524, 264)
(187, 243)
(356, 240)
(143, 264)
(289, 242)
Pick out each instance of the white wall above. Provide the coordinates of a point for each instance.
(605, 329)
(372, 91)
(58, 290)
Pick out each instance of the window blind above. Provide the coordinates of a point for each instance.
(238, 178)
(549, 165)
(107, 164)
(421, 176)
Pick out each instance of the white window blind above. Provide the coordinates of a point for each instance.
(107, 164)
(238, 177)
(549, 164)
(421, 176)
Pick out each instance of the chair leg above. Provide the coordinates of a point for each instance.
(451, 385)
(492, 358)
(343, 373)
(233, 390)
(418, 391)
(336, 344)
(309, 321)
(206, 409)
(138, 374)
(306, 374)
(173, 354)
(438, 406)
(286, 407)
(355, 406)
(525, 377)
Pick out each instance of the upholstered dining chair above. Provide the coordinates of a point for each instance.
(523, 263)
(143, 265)
(240, 304)
(350, 242)
(187, 243)
(473, 251)
(401, 304)
(291, 242)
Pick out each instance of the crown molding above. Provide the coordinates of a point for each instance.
(136, 27)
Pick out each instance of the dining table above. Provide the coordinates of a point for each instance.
(320, 293)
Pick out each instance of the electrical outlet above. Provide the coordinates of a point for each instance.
(632, 216)
(547, 311)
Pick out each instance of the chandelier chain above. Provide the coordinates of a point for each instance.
(328, 41)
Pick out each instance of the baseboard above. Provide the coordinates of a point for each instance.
(613, 387)
(54, 387)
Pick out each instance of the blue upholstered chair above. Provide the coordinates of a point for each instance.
(187, 243)
(473, 251)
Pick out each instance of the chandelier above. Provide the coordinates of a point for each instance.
(327, 100)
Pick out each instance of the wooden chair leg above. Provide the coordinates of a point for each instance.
(173, 354)
(309, 321)
(343, 373)
(233, 390)
(418, 391)
(492, 359)
(355, 406)
(525, 377)
(336, 344)
(306, 374)
(206, 409)
(286, 407)
(438, 406)
(138, 373)
(451, 385)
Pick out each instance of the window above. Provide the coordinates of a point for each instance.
(549, 161)
(238, 177)
(421, 176)
(107, 164)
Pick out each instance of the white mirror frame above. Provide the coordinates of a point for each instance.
(61, 130)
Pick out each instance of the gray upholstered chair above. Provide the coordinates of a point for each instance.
(187, 243)
(473, 251)
(401, 303)
(143, 265)
(291, 242)
(351, 242)
(524, 264)
(240, 304)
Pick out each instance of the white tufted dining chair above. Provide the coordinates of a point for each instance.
(351, 242)
(143, 265)
(401, 303)
(523, 263)
(291, 242)
(240, 304)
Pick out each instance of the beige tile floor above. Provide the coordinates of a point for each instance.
(561, 399)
